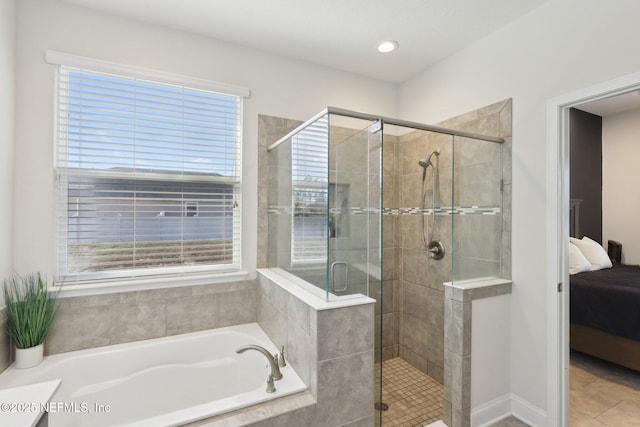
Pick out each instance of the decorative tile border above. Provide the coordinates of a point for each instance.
(440, 210)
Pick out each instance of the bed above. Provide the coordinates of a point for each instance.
(605, 312)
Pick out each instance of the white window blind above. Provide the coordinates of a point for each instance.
(147, 178)
(310, 166)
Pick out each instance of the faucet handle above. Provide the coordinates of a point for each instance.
(271, 387)
(281, 361)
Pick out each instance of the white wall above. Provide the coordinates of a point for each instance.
(620, 177)
(562, 46)
(487, 362)
(7, 75)
(279, 87)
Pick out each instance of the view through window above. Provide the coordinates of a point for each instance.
(147, 177)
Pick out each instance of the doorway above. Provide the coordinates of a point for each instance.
(558, 212)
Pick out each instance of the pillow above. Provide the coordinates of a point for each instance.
(577, 261)
(595, 253)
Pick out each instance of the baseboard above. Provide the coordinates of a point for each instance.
(527, 412)
(492, 411)
(503, 406)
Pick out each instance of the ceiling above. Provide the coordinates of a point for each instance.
(613, 104)
(341, 34)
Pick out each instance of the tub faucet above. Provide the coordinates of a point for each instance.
(275, 369)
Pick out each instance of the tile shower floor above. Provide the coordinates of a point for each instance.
(414, 398)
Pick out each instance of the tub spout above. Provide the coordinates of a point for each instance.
(275, 369)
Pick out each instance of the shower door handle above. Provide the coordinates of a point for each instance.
(333, 276)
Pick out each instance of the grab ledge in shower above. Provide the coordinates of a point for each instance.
(386, 120)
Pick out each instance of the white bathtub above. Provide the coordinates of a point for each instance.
(160, 382)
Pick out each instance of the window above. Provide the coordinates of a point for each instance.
(147, 177)
(190, 208)
(310, 193)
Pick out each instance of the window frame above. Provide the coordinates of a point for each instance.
(105, 281)
(188, 212)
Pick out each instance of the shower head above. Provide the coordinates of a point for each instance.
(425, 163)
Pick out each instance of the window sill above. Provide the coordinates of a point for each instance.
(66, 291)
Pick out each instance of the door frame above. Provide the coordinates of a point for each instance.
(557, 232)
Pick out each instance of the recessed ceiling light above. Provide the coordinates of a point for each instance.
(387, 46)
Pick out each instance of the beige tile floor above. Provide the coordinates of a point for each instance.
(602, 394)
(414, 398)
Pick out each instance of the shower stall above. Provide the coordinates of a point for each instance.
(365, 205)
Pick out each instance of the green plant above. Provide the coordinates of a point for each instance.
(31, 309)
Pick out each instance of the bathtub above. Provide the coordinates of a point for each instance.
(159, 382)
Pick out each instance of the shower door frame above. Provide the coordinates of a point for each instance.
(385, 121)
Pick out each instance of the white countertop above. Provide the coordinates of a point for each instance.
(23, 406)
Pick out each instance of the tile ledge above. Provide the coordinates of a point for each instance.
(481, 282)
(309, 294)
(473, 289)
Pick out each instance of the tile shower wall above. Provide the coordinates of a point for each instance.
(98, 320)
(482, 242)
(388, 298)
(483, 178)
(420, 278)
(271, 129)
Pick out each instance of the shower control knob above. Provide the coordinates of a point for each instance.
(436, 249)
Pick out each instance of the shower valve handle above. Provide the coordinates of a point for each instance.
(436, 249)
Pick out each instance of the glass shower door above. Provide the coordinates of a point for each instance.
(355, 223)
(355, 183)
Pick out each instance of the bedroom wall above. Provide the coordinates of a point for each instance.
(542, 55)
(620, 192)
(585, 146)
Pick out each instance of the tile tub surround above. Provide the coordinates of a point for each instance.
(330, 346)
(458, 313)
(98, 320)
(290, 411)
